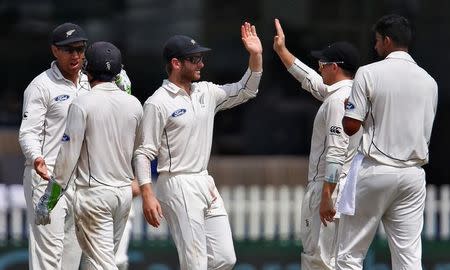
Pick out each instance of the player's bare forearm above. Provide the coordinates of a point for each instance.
(327, 210)
(255, 62)
(279, 46)
(150, 206)
(253, 45)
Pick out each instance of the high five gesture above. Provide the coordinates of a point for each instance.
(253, 45)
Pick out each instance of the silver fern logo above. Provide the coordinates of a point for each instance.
(69, 33)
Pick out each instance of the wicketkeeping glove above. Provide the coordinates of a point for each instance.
(123, 82)
(47, 202)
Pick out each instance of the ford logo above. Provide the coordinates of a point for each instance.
(349, 106)
(65, 138)
(178, 112)
(62, 98)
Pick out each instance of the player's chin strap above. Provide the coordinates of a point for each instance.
(47, 202)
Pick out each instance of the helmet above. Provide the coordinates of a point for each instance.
(103, 61)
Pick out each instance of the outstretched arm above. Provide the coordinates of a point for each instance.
(279, 46)
(253, 45)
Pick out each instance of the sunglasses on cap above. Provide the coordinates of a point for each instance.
(194, 59)
(323, 63)
(71, 49)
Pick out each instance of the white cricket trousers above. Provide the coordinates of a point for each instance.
(395, 196)
(121, 257)
(198, 221)
(100, 217)
(318, 241)
(53, 246)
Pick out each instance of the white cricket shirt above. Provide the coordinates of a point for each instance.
(329, 143)
(396, 101)
(99, 139)
(45, 104)
(177, 128)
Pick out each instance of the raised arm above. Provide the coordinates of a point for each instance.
(253, 46)
(233, 94)
(279, 46)
(311, 81)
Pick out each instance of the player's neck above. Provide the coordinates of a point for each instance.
(183, 84)
(341, 77)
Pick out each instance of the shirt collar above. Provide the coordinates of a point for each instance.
(335, 86)
(106, 86)
(56, 72)
(173, 88)
(401, 55)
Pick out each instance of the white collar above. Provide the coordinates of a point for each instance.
(401, 55)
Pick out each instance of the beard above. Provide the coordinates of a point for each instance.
(190, 75)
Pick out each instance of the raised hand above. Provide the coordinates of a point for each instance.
(279, 46)
(279, 41)
(250, 39)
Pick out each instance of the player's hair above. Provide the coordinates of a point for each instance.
(349, 73)
(169, 68)
(395, 27)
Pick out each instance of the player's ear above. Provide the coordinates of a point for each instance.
(176, 63)
(335, 67)
(387, 41)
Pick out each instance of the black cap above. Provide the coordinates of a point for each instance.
(103, 61)
(178, 46)
(340, 52)
(67, 33)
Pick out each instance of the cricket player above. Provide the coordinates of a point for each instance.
(177, 128)
(331, 151)
(97, 146)
(395, 102)
(46, 101)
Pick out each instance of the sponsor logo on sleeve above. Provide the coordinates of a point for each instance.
(334, 130)
(65, 138)
(61, 98)
(178, 112)
(349, 106)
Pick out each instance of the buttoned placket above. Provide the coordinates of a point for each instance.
(191, 102)
(76, 89)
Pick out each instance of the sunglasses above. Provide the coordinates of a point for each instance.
(323, 63)
(194, 59)
(72, 49)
